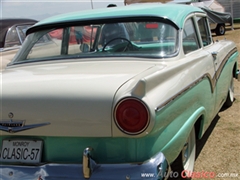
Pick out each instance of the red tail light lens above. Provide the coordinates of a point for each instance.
(131, 116)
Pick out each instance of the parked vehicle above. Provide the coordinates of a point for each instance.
(125, 108)
(218, 20)
(12, 35)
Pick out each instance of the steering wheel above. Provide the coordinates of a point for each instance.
(129, 43)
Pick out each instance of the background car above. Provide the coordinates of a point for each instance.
(12, 35)
(217, 16)
(129, 105)
(218, 19)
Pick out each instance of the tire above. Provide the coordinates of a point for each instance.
(184, 164)
(220, 29)
(230, 97)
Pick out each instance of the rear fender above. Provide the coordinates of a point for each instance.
(179, 139)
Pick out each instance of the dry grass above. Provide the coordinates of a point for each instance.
(219, 150)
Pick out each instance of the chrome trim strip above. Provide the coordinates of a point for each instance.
(190, 86)
(218, 72)
(9, 48)
(212, 80)
(104, 171)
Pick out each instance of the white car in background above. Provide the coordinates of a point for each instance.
(12, 35)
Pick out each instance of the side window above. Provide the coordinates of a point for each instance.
(204, 31)
(45, 41)
(190, 40)
(82, 39)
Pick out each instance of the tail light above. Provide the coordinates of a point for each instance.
(131, 116)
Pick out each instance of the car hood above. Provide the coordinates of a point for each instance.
(75, 98)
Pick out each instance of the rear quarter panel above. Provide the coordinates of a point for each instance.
(185, 91)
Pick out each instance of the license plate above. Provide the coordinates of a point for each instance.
(24, 151)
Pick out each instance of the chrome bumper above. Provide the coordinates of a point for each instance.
(156, 168)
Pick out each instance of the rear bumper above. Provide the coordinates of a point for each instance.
(156, 168)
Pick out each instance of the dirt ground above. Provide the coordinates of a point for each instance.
(219, 151)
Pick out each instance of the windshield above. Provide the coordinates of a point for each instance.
(132, 39)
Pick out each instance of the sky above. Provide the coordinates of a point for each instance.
(41, 9)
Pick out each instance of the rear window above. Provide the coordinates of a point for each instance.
(101, 40)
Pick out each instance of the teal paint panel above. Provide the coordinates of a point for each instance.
(177, 14)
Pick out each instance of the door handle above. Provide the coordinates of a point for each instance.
(214, 54)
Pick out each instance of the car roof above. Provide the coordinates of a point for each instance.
(176, 13)
(6, 23)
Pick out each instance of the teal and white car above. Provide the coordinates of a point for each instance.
(126, 107)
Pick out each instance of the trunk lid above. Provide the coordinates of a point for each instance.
(75, 98)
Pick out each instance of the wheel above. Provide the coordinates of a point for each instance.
(119, 38)
(184, 164)
(230, 96)
(220, 29)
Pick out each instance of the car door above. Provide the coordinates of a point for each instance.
(216, 56)
(203, 68)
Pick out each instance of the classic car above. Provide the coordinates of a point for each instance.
(126, 107)
(12, 35)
